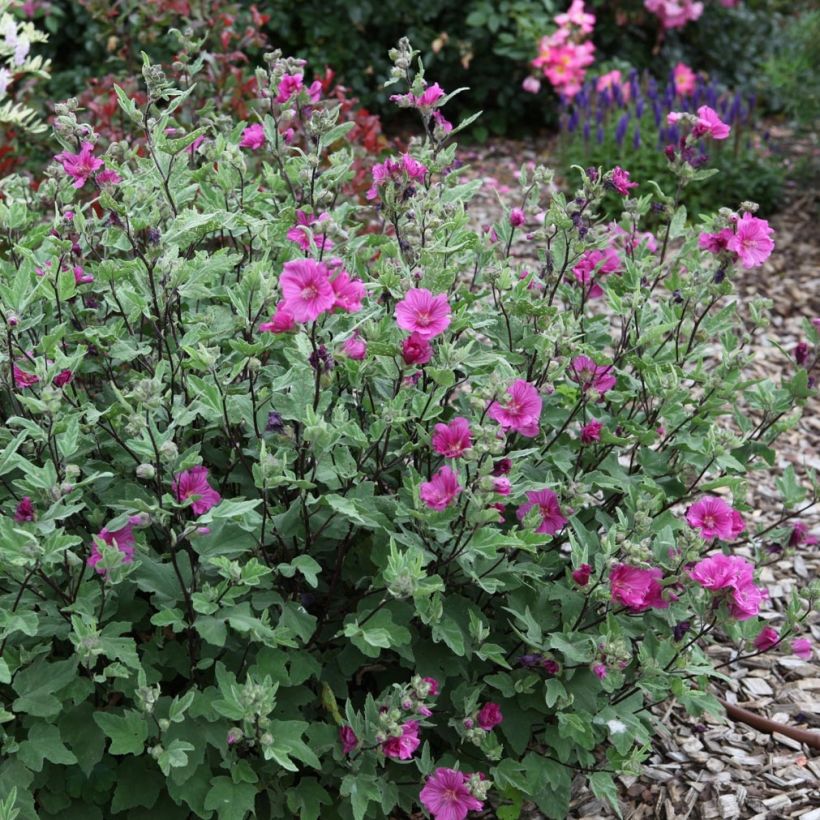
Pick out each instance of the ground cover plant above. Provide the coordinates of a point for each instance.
(316, 504)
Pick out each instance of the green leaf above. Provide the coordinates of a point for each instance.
(307, 798)
(230, 801)
(37, 684)
(44, 743)
(604, 788)
(128, 732)
(138, 784)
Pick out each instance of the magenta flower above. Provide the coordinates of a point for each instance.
(253, 137)
(123, 539)
(80, 275)
(193, 483)
(402, 747)
(416, 349)
(62, 378)
(714, 518)
(281, 322)
(23, 379)
(593, 265)
(800, 535)
(441, 490)
(709, 124)
(355, 347)
(548, 508)
(715, 242)
(766, 639)
(735, 575)
(502, 485)
(802, 648)
(306, 289)
(620, 181)
(24, 511)
(582, 574)
(751, 241)
(348, 739)
(80, 166)
(745, 601)
(304, 229)
(289, 85)
(591, 376)
(636, 588)
(453, 439)
(399, 171)
(489, 716)
(600, 670)
(517, 217)
(447, 797)
(521, 412)
(430, 96)
(591, 432)
(432, 687)
(532, 85)
(423, 313)
(108, 176)
(348, 292)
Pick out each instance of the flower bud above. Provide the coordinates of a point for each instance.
(146, 471)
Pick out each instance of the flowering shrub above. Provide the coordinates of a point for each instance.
(315, 507)
(635, 120)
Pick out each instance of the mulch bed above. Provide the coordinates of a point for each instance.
(717, 768)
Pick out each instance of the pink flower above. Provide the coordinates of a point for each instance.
(766, 639)
(80, 166)
(674, 13)
(80, 276)
(550, 511)
(596, 264)
(432, 687)
(800, 535)
(194, 483)
(517, 217)
(745, 601)
(453, 439)
(721, 571)
(591, 432)
(802, 648)
(355, 347)
(399, 171)
(302, 232)
(591, 376)
(447, 797)
(714, 518)
(62, 378)
(441, 490)
(24, 511)
(521, 412)
(430, 96)
(620, 181)
(108, 177)
(306, 289)
(576, 16)
(489, 716)
(684, 79)
(710, 124)
(402, 748)
(415, 349)
(22, 379)
(637, 588)
(281, 322)
(289, 86)
(532, 85)
(751, 241)
(423, 313)
(502, 486)
(608, 80)
(582, 574)
(348, 293)
(715, 242)
(253, 137)
(600, 670)
(348, 739)
(123, 539)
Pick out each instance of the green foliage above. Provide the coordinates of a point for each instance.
(196, 652)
